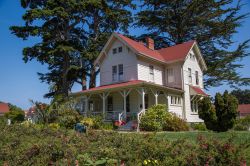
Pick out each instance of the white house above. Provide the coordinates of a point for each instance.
(134, 76)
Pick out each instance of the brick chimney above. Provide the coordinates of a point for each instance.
(150, 43)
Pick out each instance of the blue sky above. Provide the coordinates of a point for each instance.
(19, 81)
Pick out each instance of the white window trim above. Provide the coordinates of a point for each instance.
(151, 73)
(176, 98)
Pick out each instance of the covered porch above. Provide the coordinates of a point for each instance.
(124, 101)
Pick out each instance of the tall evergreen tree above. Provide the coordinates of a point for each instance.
(211, 22)
(71, 33)
(222, 115)
(243, 96)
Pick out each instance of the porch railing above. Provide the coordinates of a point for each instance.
(121, 116)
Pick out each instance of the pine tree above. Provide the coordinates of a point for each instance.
(71, 33)
(222, 115)
(207, 113)
(243, 96)
(212, 23)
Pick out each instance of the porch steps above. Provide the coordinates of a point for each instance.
(127, 127)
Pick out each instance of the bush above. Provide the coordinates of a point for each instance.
(198, 126)
(89, 122)
(68, 118)
(157, 118)
(174, 123)
(243, 124)
(21, 145)
(154, 118)
(15, 116)
(54, 126)
(98, 122)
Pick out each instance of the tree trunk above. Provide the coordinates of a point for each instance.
(92, 81)
(84, 82)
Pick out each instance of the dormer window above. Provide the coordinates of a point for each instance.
(120, 49)
(114, 50)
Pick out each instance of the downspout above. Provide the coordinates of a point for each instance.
(183, 95)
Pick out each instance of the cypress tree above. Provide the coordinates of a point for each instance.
(71, 34)
(212, 23)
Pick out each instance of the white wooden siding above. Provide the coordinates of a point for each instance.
(194, 65)
(143, 71)
(126, 57)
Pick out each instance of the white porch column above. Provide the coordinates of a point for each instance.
(143, 98)
(103, 96)
(124, 94)
(87, 104)
(167, 98)
(156, 94)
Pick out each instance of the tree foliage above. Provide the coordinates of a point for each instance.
(71, 34)
(243, 96)
(210, 22)
(221, 115)
(15, 114)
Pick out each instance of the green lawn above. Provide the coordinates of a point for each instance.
(238, 136)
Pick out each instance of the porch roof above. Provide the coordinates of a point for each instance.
(197, 91)
(124, 85)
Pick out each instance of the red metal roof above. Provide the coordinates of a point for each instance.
(244, 108)
(177, 52)
(117, 85)
(4, 107)
(199, 91)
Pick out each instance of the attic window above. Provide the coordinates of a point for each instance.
(114, 51)
(192, 56)
(120, 49)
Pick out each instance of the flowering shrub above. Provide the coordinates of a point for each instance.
(89, 122)
(21, 145)
(54, 126)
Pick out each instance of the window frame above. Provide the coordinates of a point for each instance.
(114, 73)
(197, 81)
(189, 75)
(120, 49)
(120, 72)
(175, 100)
(151, 73)
(114, 51)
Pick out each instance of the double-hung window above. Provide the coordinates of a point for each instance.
(119, 49)
(197, 77)
(189, 75)
(114, 73)
(151, 73)
(120, 72)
